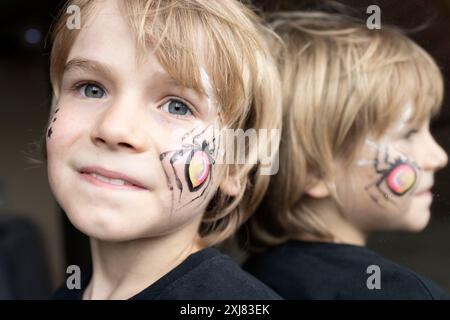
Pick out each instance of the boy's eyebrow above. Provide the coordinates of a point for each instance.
(88, 65)
(96, 66)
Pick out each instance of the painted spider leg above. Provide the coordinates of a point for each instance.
(187, 134)
(201, 194)
(197, 136)
(215, 150)
(169, 185)
(384, 195)
(176, 155)
(204, 144)
(174, 159)
(50, 128)
(188, 146)
(377, 161)
(184, 146)
(212, 151)
(194, 144)
(381, 179)
(163, 155)
(375, 199)
(212, 161)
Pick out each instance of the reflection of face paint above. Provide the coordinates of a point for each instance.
(401, 178)
(197, 169)
(406, 116)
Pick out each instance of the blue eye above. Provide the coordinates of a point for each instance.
(91, 91)
(177, 108)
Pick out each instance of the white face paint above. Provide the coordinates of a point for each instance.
(363, 162)
(406, 116)
(207, 86)
(206, 83)
(397, 128)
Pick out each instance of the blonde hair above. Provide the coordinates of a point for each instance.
(341, 83)
(244, 78)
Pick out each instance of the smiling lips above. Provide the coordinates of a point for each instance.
(108, 178)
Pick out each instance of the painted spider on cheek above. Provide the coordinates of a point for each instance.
(400, 177)
(198, 166)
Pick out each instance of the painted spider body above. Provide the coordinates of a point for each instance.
(400, 176)
(198, 165)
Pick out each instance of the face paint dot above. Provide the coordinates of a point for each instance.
(401, 179)
(49, 133)
(198, 169)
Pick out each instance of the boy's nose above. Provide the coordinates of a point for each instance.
(116, 128)
(435, 158)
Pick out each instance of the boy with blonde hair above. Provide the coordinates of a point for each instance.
(134, 158)
(356, 157)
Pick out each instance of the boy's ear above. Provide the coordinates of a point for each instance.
(317, 188)
(230, 185)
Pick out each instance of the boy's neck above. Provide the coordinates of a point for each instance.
(341, 230)
(120, 270)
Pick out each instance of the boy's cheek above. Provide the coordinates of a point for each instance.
(52, 123)
(63, 130)
(53, 135)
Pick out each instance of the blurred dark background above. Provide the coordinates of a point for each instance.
(36, 238)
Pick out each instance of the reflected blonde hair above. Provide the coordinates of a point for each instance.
(341, 83)
(243, 75)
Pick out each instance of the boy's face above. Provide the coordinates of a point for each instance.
(389, 185)
(134, 120)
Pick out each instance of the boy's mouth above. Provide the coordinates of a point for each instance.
(104, 177)
(425, 192)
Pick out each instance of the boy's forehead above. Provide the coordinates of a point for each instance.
(108, 28)
(104, 31)
(105, 42)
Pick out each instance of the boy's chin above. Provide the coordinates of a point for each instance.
(111, 230)
(111, 226)
(417, 220)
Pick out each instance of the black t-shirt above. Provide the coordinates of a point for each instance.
(314, 270)
(207, 274)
